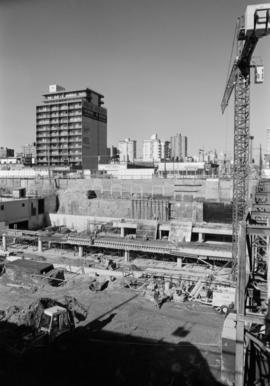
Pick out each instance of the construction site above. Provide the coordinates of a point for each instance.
(142, 282)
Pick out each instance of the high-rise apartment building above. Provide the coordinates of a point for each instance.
(71, 128)
(152, 149)
(268, 140)
(179, 147)
(185, 150)
(176, 147)
(165, 150)
(127, 150)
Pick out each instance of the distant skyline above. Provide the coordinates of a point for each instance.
(161, 66)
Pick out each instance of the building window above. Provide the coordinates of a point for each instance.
(41, 206)
(33, 210)
(2, 207)
(23, 205)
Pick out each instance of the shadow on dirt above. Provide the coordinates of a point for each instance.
(90, 355)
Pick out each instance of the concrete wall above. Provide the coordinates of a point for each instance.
(195, 188)
(187, 211)
(13, 211)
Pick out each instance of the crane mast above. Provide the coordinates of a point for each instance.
(250, 28)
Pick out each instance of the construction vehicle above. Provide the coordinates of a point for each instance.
(42, 323)
(55, 321)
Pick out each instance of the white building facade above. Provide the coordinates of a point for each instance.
(152, 149)
(127, 150)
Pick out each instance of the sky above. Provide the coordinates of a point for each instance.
(161, 66)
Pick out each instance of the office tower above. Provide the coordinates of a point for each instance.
(127, 150)
(71, 128)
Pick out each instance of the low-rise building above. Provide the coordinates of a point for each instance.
(26, 212)
(6, 153)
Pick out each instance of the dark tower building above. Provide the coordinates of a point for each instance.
(71, 129)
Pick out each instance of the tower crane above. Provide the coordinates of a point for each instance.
(251, 27)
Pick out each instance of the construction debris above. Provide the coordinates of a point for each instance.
(98, 285)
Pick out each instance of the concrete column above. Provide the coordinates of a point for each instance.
(80, 251)
(39, 245)
(4, 242)
(201, 237)
(179, 262)
(122, 232)
(127, 256)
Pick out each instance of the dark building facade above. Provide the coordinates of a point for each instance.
(6, 153)
(71, 129)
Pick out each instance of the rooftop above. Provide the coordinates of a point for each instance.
(72, 91)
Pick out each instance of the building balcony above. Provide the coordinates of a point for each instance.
(73, 132)
(40, 125)
(43, 116)
(42, 130)
(73, 119)
(43, 136)
(41, 109)
(75, 141)
(74, 106)
(42, 121)
(72, 147)
(74, 113)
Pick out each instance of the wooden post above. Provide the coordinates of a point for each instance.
(39, 245)
(80, 251)
(240, 306)
(4, 242)
(127, 256)
(201, 237)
